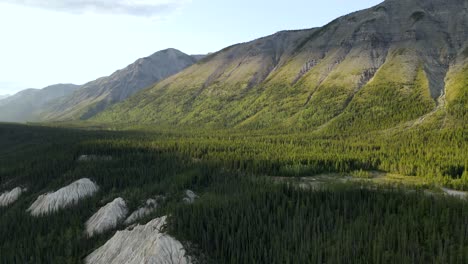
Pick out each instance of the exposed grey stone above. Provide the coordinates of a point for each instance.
(10, 197)
(107, 218)
(143, 244)
(150, 206)
(190, 196)
(64, 197)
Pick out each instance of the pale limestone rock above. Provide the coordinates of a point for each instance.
(143, 244)
(65, 197)
(150, 206)
(454, 193)
(190, 197)
(107, 218)
(10, 197)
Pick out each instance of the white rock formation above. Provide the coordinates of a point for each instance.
(107, 218)
(190, 197)
(458, 194)
(85, 158)
(66, 196)
(150, 206)
(143, 244)
(10, 197)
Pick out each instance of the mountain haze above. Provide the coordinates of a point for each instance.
(27, 105)
(400, 61)
(95, 96)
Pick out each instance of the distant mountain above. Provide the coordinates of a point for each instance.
(27, 105)
(97, 95)
(198, 56)
(4, 96)
(398, 62)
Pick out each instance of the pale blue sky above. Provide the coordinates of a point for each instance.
(72, 41)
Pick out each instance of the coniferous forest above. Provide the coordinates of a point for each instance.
(243, 215)
(344, 142)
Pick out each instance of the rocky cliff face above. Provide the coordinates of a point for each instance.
(363, 67)
(95, 96)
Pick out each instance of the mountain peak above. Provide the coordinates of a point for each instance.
(167, 51)
(97, 95)
(367, 64)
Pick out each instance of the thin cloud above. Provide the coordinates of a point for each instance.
(145, 8)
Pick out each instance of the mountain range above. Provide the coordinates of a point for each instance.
(95, 96)
(398, 63)
(305, 146)
(28, 104)
(60, 103)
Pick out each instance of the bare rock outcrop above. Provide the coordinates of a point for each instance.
(107, 218)
(64, 197)
(190, 197)
(455, 193)
(149, 207)
(143, 244)
(10, 197)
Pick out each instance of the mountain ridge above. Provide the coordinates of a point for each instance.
(28, 104)
(96, 95)
(92, 97)
(389, 57)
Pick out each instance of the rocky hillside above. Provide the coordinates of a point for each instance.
(393, 64)
(28, 104)
(95, 96)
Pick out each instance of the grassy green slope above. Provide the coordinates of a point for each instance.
(398, 92)
(370, 70)
(457, 92)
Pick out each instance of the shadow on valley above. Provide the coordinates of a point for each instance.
(241, 215)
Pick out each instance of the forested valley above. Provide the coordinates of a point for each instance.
(242, 215)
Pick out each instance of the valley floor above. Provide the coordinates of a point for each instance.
(376, 199)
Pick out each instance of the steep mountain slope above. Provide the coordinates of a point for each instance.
(95, 96)
(378, 67)
(28, 104)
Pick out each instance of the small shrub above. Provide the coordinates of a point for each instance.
(361, 174)
(418, 15)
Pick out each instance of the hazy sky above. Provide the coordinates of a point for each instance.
(45, 42)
